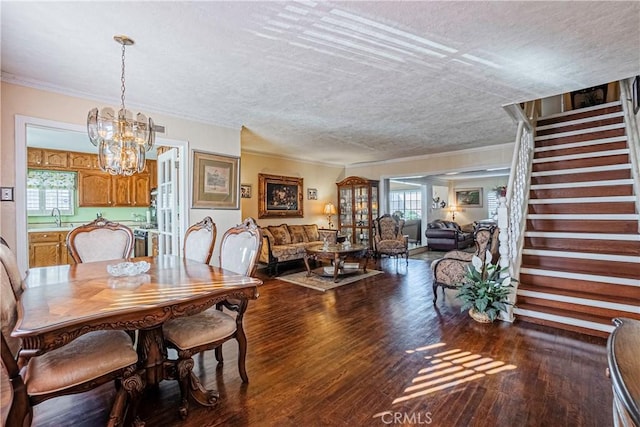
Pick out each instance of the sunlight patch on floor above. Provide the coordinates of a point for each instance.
(448, 369)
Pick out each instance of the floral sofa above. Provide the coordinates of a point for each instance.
(288, 243)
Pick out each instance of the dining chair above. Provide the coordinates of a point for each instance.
(209, 329)
(87, 362)
(10, 264)
(199, 240)
(100, 240)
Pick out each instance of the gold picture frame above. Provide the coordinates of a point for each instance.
(215, 181)
(280, 196)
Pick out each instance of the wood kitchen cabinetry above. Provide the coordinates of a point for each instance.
(48, 248)
(95, 187)
(43, 158)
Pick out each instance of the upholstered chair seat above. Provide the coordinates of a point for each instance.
(100, 240)
(389, 239)
(200, 329)
(450, 270)
(101, 351)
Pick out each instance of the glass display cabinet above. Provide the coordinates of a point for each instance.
(357, 208)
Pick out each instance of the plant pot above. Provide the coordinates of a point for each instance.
(479, 317)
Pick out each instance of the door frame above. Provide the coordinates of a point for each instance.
(20, 138)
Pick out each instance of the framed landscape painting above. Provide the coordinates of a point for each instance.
(280, 196)
(469, 197)
(215, 181)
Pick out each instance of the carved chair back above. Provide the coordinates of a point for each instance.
(199, 240)
(240, 248)
(100, 240)
(10, 264)
(388, 227)
(486, 239)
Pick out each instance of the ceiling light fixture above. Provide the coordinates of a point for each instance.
(121, 140)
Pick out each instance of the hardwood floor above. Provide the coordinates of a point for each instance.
(377, 352)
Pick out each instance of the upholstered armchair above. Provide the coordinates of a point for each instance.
(388, 239)
(450, 271)
(100, 240)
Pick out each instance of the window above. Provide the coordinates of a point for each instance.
(493, 202)
(406, 202)
(47, 190)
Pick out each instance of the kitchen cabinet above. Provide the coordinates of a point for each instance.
(152, 168)
(97, 188)
(83, 161)
(140, 185)
(43, 158)
(48, 248)
(357, 208)
(94, 188)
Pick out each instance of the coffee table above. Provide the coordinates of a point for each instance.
(338, 253)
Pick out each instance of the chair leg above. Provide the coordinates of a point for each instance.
(435, 291)
(218, 351)
(184, 368)
(242, 354)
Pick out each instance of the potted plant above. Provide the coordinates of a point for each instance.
(484, 293)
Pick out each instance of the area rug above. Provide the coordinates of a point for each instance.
(322, 283)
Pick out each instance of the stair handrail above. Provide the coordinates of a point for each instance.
(633, 138)
(512, 211)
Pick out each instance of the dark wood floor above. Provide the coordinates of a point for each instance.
(377, 352)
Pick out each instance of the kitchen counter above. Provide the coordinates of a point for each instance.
(66, 226)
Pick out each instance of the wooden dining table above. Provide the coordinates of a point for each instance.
(61, 303)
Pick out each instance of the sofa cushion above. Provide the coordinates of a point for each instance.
(267, 233)
(297, 234)
(312, 232)
(280, 234)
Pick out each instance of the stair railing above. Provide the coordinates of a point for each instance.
(512, 211)
(633, 138)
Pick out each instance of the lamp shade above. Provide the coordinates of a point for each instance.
(329, 209)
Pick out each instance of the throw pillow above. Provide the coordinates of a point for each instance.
(280, 234)
(297, 234)
(312, 232)
(267, 233)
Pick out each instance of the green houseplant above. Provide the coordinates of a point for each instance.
(484, 293)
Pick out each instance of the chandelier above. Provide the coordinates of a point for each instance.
(122, 141)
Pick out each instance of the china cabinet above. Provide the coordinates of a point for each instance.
(357, 208)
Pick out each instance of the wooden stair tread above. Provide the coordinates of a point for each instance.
(613, 298)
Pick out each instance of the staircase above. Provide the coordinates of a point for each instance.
(581, 259)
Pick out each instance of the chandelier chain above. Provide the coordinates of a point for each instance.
(122, 78)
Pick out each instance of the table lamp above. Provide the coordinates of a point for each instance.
(453, 211)
(329, 211)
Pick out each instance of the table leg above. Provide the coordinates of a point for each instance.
(306, 264)
(336, 267)
(152, 354)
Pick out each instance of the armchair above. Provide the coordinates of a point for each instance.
(449, 271)
(388, 239)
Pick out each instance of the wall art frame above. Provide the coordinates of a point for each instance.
(280, 196)
(245, 191)
(312, 193)
(468, 197)
(215, 181)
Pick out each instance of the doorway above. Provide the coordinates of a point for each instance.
(77, 135)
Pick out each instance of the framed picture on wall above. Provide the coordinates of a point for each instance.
(312, 193)
(280, 196)
(469, 197)
(215, 181)
(245, 191)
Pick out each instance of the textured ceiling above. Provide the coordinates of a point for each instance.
(338, 82)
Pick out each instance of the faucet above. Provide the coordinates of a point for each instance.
(55, 212)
